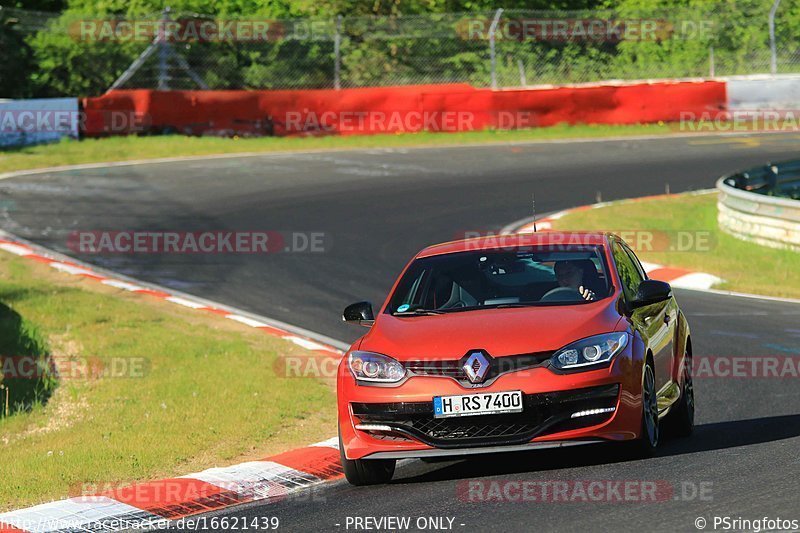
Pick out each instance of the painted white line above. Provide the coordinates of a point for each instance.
(559, 214)
(305, 343)
(184, 302)
(332, 442)
(247, 321)
(70, 269)
(649, 267)
(122, 285)
(16, 249)
(695, 280)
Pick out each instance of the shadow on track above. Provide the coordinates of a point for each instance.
(706, 437)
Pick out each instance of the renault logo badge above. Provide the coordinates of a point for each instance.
(476, 367)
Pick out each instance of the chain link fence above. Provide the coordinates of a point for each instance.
(487, 49)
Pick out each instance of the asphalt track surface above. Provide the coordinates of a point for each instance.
(376, 209)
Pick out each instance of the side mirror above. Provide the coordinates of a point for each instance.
(359, 313)
(650, 292)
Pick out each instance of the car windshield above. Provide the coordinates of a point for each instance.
(484, 279)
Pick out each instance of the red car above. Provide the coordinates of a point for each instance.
(511, 343)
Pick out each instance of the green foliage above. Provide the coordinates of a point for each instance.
(16, 62)
(66, 66)
(55, 62)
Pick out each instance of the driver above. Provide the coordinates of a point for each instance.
(570, 275)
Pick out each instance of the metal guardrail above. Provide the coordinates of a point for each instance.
(762, 205)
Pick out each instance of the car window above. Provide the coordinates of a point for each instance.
(636, 262)
(490, 278)
(629, 274)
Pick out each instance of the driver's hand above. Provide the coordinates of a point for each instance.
(586, 293)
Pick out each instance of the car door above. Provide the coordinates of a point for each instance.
(652, 322)
(668, 315)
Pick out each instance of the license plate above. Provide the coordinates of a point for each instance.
(490, 403)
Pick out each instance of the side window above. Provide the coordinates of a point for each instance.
(636, 262)
(628, 272)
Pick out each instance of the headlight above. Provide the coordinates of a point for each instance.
(374, 367)
(590, 351)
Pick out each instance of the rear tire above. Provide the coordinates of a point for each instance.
(680, 419)
(362, 472)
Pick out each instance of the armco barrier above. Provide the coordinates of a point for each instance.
(454, 107)
(772, 221)
(38, 120)
(763, 92)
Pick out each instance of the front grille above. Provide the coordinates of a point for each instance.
(451, 369)
(507, 425)
(454, 368)
(541, 414)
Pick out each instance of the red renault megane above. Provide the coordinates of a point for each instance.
(512, 343)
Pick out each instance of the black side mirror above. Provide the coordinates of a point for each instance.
(359, 313)
(650, 292)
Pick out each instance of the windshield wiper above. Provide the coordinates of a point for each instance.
(418, 312)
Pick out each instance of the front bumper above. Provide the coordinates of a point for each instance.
(542, 414)
(396, 422)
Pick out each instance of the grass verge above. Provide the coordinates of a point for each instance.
(70, 152)
(665, 226)
(186, 391)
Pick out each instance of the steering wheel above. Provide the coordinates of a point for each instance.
(562, 294)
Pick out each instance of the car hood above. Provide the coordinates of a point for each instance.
(498, 331)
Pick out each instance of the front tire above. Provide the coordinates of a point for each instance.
(362, 472)
(681, 417)
(646, 444)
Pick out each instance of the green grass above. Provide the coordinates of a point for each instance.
(70, 152)
(744, 266)
(209, 394)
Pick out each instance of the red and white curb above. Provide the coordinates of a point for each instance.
(677, 277)
(38, 254)
(159, 504)
(156, 504)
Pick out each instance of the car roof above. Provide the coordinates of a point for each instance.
(513, 240)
